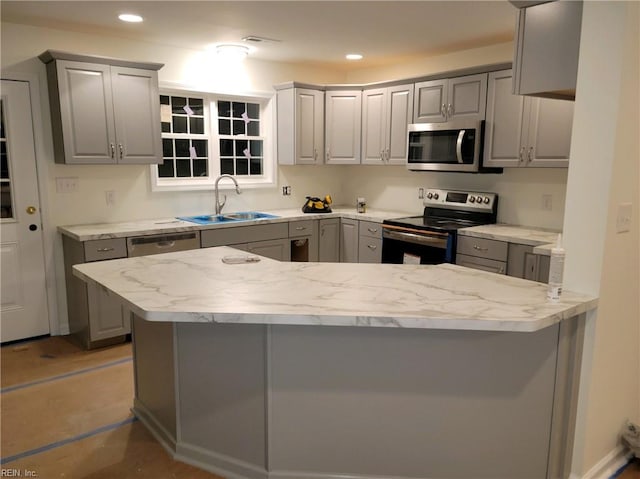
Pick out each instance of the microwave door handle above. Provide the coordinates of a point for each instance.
(459, 145)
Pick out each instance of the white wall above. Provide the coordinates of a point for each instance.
(603, 174)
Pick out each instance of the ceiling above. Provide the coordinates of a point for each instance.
(310, 32)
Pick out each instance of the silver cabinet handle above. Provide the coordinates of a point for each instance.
(522, 153)
(501, 270)
(113, 150)
(372, 230)
(443, 110)
(104, 250)
(372, 246)
(450, 110)
(121, 150)
(530, 155)
(301, 228)
(386, 154)
(328, 155)
(478, 248)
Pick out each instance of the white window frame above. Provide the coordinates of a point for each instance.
(267, 125)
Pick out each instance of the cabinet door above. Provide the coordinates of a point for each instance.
(547, 47)
(343, 127)
(430, 100)
(467, 97)
(274, 249)
(348, 241)
(549, 136)
(504, 126)
(137, 115)
(86, 113)
(374, 124)
(309, 126)
(107, 316)
(399, 113)
(329, 241)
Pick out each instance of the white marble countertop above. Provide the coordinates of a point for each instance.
(196, 286)
(99, 231)
(542, 239)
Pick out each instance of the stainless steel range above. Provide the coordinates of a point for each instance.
(431, 237)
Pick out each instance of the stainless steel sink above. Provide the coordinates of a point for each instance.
(227, 218)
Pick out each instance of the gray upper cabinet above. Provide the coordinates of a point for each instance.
(300, 126)
(104, 111)
(343, 110)
(448, 99)
(386, 113)
(523, 131)
(547, 48)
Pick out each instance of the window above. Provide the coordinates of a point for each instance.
(206, 135)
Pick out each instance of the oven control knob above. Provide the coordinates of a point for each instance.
(472, 199)
(479, 199)
(429, 195)
(436, 196)
(486, 200)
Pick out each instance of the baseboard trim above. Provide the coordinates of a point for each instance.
(217, 463)
(608, 465)
(157, 430)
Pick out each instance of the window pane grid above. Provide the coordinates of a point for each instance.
(240, 142)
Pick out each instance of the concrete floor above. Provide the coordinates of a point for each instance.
(65, 413)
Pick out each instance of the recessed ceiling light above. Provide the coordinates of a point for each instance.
(353, 56)
(130, 17)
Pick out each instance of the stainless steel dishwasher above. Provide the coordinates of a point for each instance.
(162, 243)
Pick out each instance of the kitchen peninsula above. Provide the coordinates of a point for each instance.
(270, 369)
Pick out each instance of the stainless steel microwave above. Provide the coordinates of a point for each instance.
(450, 146)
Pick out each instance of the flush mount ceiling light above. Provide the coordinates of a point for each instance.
(353, 56)
(130, 17)
(232, 51)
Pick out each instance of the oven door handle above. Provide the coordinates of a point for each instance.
(415, 238)
(459, 145)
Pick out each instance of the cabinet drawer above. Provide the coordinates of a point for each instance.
(300, 228)
(370, 250)
(484, 264)
(97, 250)
(485, 248)
(370, 229)
(243, 234)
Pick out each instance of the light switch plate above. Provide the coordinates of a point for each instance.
(623, 220)
(67, 184)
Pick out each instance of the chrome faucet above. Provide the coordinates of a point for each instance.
(219, 205)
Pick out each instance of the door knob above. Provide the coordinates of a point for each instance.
(31, 210)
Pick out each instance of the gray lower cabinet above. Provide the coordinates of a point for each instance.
(95, 319)
(370, 242)
(523, 263)
(348, 240)
(329, 240)
(523, 131)
(303, 240)
(502, 257)
(278, 249)
(236, 235)
(104, 111)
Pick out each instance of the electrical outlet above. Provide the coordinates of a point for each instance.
(547, 202)
(67, 185)
(421, 193)
(286, 190)
(623, 220)
(110, 197)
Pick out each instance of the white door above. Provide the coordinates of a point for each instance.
(22, 284)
